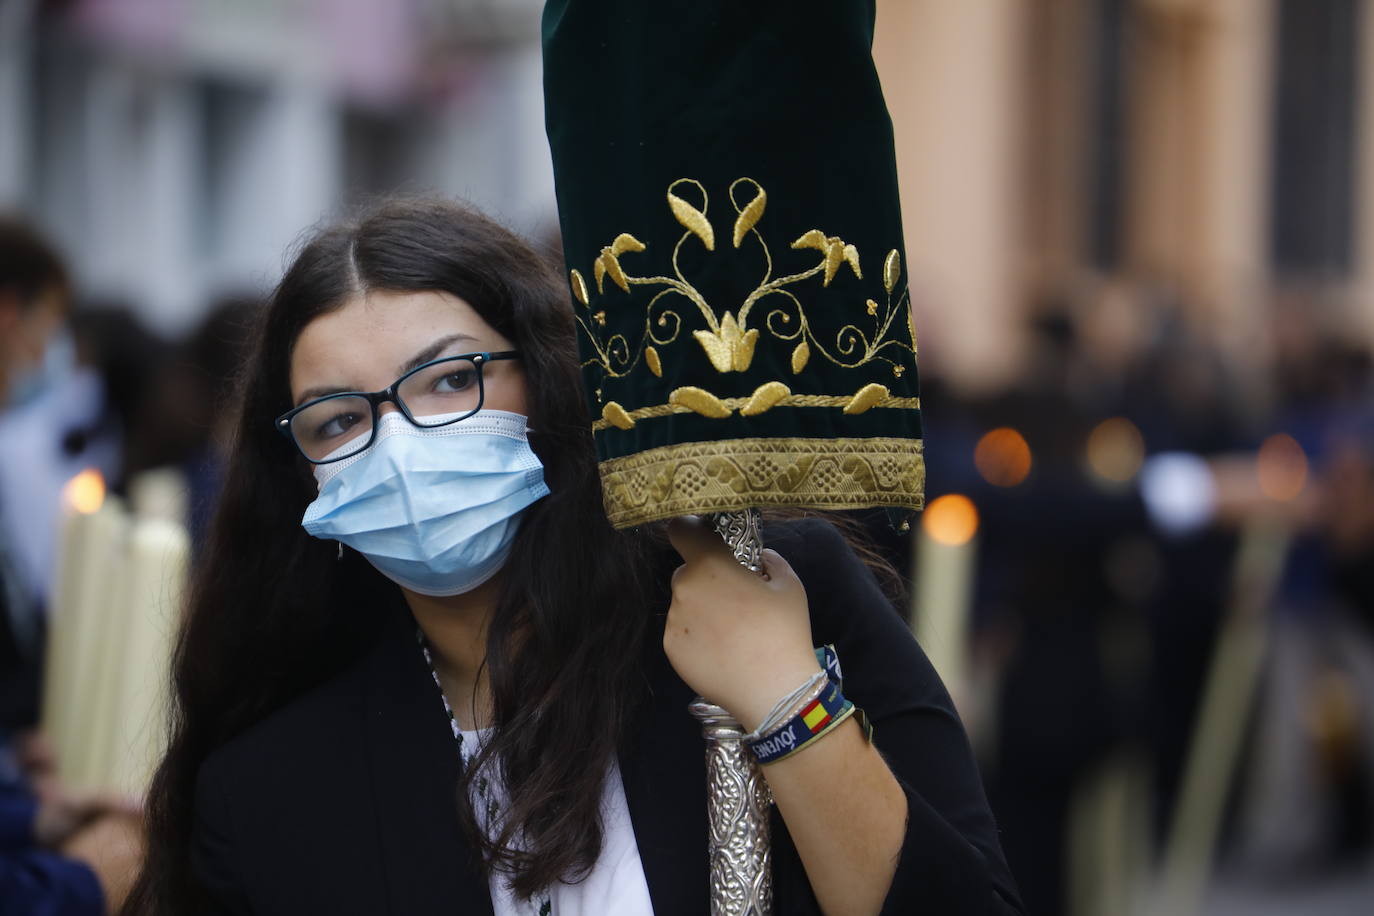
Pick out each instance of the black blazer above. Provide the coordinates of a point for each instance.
(343, 802)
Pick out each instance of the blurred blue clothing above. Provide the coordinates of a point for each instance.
(34, 882)
(46, 884)
(38, 455)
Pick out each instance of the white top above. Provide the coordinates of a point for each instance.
(615, 886)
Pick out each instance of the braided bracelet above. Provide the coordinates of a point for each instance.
(817, 718)
(788, 706)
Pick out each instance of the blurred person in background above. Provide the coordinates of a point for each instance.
(185, 419)
(1310, 805)
(53, 420)
(1097, 611)
(116, 346)
(35, 359)
(1048, 600)
(59, 853)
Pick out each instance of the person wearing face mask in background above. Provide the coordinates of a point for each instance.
(60, 854)
(33, 307)
(52, 407)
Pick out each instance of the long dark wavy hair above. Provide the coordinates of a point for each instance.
(272, 612)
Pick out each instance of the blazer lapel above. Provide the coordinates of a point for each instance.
(414, 767)
(663, 766)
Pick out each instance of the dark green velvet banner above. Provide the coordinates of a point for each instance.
(728, 199)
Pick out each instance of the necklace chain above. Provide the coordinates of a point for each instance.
(544, 901)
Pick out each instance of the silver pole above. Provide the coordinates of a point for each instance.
(737, 797)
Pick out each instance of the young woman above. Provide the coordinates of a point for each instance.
(420, 673)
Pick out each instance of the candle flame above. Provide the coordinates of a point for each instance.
(1116, 450)
(951, 520)
(1003, 457)
(84, 493)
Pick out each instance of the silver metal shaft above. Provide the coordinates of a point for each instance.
(737, 797)
(737, 801)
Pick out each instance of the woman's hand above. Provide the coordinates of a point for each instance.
(113, 847)
(741, 640)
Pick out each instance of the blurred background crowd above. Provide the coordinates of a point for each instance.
(1141, 241)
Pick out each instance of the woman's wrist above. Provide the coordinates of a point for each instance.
(757, 700)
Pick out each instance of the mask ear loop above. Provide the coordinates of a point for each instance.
(340, 543)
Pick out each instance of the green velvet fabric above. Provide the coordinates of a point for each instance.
(783, 93)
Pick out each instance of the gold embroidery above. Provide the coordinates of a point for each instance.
(608, 262)
(611, 265)
(728, 348)
(728, 340)
(651, 357)
(866, 397)
(733, 404)
(721, 476)
(579, 287)
(615, 415)
(765, 396)
(700, 401)
(694, 219)
(749, 216)
(835, 250)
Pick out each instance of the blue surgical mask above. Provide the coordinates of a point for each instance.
(33, 382)
(435, 510)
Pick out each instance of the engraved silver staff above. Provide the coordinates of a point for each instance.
(737, 797)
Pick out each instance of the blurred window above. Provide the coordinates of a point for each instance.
(1314, 137)
(1108, 156)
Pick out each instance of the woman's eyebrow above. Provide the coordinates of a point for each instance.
(311, 394)
(419, 359)
(432, 351)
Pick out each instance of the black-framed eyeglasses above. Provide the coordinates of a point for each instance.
(339, 426)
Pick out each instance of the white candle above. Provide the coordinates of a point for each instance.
(155, 588)
(80, 630)
(946, 550)
(160, 493)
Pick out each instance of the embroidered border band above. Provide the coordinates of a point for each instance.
(699, 477)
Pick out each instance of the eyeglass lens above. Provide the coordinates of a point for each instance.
(439, 391)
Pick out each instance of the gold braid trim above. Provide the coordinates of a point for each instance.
(794, 400)
(699, 477)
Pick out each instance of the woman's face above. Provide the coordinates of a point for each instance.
(374, 339)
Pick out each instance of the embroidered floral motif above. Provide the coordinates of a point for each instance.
(728, 340)
(765, 397)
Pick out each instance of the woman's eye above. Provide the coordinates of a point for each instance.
(337, 425)
(455, 381)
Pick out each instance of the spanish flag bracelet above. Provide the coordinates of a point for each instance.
(816, 719)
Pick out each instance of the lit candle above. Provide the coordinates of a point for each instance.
(91, 568)
(82, 496)
(945, 553)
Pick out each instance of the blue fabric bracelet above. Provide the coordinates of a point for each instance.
(830, 664)
(817, 718)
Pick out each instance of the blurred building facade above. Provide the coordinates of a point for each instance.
(175, 148)
(1217, 152)
(1210, 150)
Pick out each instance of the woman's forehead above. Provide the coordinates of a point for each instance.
(363, 343)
